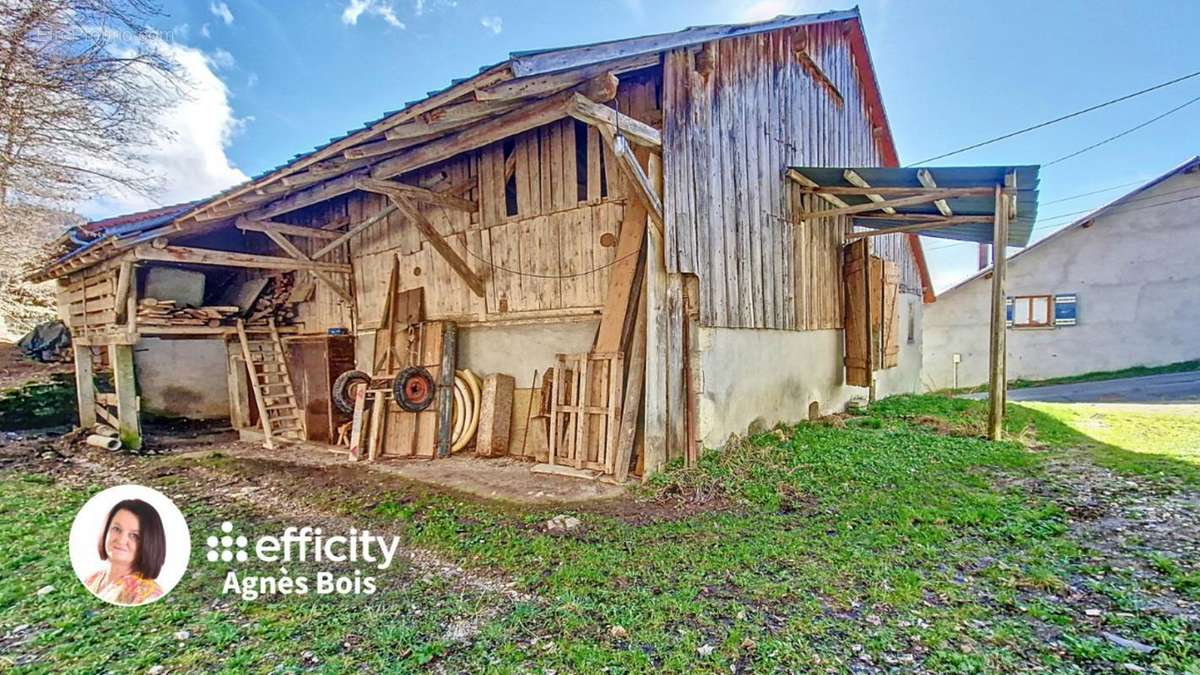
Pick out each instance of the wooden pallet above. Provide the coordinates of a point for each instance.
(585, 410)
(271, 382)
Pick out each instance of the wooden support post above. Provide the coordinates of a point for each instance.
(124, 282)
(85, 388)
(129, 421)
(239, 387)
(446, 388)
(654, 289)
(997, 384)
(631, 406)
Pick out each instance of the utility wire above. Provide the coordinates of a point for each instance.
(1056, 120)
(1123, 133)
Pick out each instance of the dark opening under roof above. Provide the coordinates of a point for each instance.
(981, 206)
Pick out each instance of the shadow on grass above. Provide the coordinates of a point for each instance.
(966, 417)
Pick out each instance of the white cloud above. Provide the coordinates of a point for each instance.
(204, 31)
(763, 10)
(191, 163)
(221, 11)
(419, 7)
(379, 8)
(251, 80)
(492, 23)
(221, 59)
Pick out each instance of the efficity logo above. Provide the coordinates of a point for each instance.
(303, 545)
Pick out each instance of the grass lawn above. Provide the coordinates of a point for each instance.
(889, 540)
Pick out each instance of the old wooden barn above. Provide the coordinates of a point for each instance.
(593, 257)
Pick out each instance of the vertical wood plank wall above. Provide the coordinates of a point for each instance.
(737, 112)
(533, 261)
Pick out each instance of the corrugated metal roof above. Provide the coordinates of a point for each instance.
(1019, 229)
(1190, 165)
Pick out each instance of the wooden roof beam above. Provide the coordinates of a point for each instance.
(635, 177)
(389, 187)
(926, 179)
(877, 206)
(809, 185)
(345, 236)
(439, 244)
(935, 224)
(267, 226)
(203, 256)
(545, 85)
(598, 115)
(858, 181)
(291, 249)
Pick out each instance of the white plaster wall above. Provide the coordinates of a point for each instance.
(771, 376)
(1138, 283)
(182, 378)
(515, 350)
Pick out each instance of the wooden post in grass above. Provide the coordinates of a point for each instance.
(996, 371)
(127, 399)
(85, 388)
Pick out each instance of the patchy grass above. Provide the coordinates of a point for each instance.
(40, 404)
(896, 539)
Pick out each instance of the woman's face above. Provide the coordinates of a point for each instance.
(121, 542)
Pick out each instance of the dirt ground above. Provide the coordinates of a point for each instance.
(16, 369)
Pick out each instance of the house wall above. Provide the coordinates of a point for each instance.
(763, 377)
(182, 378)
(1137, 284)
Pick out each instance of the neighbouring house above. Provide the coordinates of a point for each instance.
(602, 258)
(1114, 289)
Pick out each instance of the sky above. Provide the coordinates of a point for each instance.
(269, 80)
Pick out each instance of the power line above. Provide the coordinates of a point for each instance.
(1123, 133)
(1056, 120)
(1094, 192)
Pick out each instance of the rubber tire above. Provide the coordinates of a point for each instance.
(398, 389)
(343, 395)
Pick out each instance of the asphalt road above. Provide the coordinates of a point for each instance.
(1170, 388)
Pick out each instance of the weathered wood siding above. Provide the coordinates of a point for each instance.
(542, 240)
(737, 112)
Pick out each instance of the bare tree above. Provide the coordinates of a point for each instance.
(83, 84)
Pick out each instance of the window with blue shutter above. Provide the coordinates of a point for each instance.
(1065, 309)
(1008, 311)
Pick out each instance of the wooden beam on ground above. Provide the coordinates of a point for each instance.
(267, 226)
(85, 387)
(202, 256)
(997, 377)
(128, 418)
(926, 179)
(291, 249)
(876, 206)
(809, 183)
(439, 244)
(345, 236)
(388, 187)
(858, 181)
(935, 224)
(598, 115)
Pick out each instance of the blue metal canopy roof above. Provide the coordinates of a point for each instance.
(1019, 229)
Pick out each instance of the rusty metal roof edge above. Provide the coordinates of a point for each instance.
(541, 61)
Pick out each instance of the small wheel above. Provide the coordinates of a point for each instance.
(413, 389)
(345, 386)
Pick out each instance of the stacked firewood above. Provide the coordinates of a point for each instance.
(275, 302)
(154, 312)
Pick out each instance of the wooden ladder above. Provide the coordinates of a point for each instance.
(278, 412)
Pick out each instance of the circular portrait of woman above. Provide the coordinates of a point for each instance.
(129, 545)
